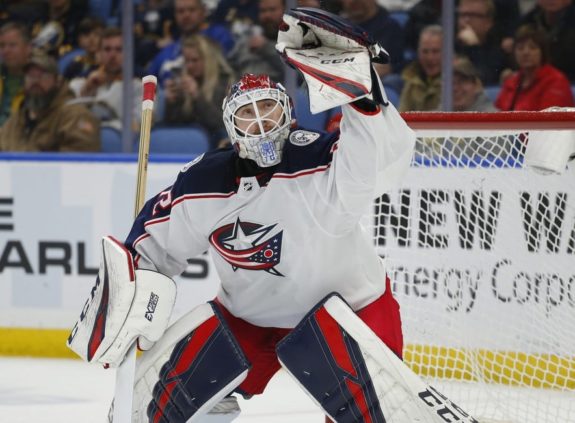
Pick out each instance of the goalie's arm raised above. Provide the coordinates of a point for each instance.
(373, 153)
(335, 58)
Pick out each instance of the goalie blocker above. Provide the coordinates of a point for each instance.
(124, 305)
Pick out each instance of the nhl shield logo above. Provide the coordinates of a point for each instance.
(301, 137)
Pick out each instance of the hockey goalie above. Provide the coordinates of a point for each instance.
(280, 212)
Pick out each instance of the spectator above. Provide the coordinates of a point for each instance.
(57, 32)
(238, 15)
(424, 13)
(537, 84)
(468, 92)
(15, 49)
(309, 3)
(556, 18)
(195, 95)
(152, 29)
(190, 17)
(384, 29)
(397, 5)
(102, 88)
(428, 12)
(45, 121)
(255, 52)
(422, 77)
(525, 6)
(479, 39)
(27, 12)
(89, 38)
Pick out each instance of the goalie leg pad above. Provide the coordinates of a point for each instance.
(358, 373)
(328, 364)
(194, 366)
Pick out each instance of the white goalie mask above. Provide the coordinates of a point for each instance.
(257, 116)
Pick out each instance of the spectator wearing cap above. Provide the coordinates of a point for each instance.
(537, 84)
(15, 49)
(45, 121)
(468, 92)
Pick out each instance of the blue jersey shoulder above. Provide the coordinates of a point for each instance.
(211, 172)
(307, 150)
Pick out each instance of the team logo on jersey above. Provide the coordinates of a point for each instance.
(250, 246)
(301, 138)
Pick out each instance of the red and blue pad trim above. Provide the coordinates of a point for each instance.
(329, 364)
(201, 365)
(348, 87)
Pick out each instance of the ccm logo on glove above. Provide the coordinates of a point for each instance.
(337, 61)
(152, 303)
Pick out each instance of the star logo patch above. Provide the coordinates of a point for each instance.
(249, 246)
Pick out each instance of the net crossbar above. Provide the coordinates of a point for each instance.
(481, 253)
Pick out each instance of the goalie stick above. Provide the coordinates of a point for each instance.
(125, 373)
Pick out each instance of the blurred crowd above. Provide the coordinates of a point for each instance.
(61, 61)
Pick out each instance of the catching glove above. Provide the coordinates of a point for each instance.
(334, 56)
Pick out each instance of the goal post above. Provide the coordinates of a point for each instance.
(480, 249)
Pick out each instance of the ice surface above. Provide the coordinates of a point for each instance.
(70, 391)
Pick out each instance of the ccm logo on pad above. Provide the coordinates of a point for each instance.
(152, 303)
(444, 408)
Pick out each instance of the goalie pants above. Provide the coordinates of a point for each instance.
(259, 343)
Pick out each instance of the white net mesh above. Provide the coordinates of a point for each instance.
(481, 252)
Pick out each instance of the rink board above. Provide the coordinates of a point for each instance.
(54, 209)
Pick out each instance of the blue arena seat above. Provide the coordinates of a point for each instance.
(68, 58)
(101, 8)
(392, 95)
(400, 17)
(111, 140)
(179, 140)
(491, 91)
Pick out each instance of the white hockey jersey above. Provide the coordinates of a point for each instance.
(282, 241)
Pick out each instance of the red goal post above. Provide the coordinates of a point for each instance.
(481, 252)
(560, 119)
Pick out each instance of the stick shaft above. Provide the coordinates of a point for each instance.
(125, 373)
(143, 156)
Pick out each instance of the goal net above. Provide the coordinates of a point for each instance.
(481, 254)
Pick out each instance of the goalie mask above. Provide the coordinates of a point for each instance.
(257, 116)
